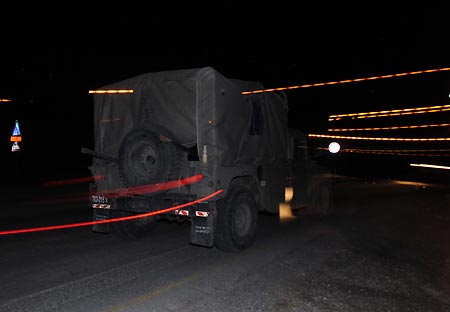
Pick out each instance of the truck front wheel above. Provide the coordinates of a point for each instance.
(320, 199)
(236, 220)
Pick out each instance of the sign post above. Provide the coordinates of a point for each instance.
(16, 137)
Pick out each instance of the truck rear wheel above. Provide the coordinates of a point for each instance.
(130, 229)
(236, 220)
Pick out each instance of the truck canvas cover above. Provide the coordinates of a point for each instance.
(199, 107)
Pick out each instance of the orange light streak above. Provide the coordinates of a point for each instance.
(396, 150)
(110, 120)
(410, 152)
(377, 139)
(386, 128)
(412, 183)
(111, 91)
(394, 112)
(5, 100)
(393, 153)
(144, 215)
(408, 113)
(430, 166)
(346, 81)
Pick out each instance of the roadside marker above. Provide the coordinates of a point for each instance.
(15, 147)
(16, 137)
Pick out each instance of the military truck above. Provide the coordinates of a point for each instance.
(191, 145)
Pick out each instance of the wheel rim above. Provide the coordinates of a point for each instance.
(144, 161)
(242, 219)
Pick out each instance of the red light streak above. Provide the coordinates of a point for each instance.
(128, 191)
(73, 225)
(154, 187)
(73, 181)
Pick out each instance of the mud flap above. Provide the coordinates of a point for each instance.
(202, 224)
(98, 215)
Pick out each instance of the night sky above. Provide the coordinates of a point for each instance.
(51, 58)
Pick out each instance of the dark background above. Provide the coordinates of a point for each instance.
(51, 57)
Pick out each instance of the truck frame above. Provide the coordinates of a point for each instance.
(188, 145)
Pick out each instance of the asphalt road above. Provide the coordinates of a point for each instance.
(384, 248)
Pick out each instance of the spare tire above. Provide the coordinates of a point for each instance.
(147, 156)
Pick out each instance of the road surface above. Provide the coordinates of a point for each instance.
(384, 248)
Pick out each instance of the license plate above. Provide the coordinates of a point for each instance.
(100, 201)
